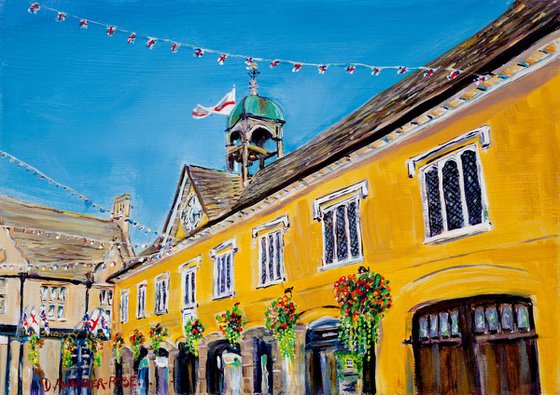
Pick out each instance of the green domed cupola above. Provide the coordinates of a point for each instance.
(254, 133)
(255, 106)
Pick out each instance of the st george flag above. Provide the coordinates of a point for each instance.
(223, 107)
(94, 320)
(43, 316)
(34, 321)
(86, 323)
(105, 325)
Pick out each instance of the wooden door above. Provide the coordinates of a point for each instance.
(483, 345)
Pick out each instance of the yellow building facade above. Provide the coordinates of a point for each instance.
(497, 262)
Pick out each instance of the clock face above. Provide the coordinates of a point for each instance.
(191, 214)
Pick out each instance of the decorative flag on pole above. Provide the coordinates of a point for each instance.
(34, 8)
(105, 328)
(175, 47)
(322, 68)
(24, 320)
(222, 59)
(34, 321)
(131, 38)
(150, 43)
(297, 67)
(274, 63)
(60, 17)
(95, 318)
(43, 315)
(86, 323)
(402, 70)
(110, 31)
(223, 107)
(350, 69)
(83, 24)
(198, 52)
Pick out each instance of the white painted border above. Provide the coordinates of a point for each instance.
(222, 246)
(189, 267)
(160, 278)
(138, 286)
(359, 189)
(281, 258)
(124, 292)
(482, 132)
(283, 220)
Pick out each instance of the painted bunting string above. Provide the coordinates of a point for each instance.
(199, 51)
(11, 159)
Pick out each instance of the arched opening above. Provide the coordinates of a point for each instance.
(263, 359)
(331, 369)
(484, 344)
(235, 138)
(123, 368)
(142, 370)
(223, 368)
(260, 137)
(186, 367)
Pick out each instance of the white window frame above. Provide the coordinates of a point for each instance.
(354, 193)
(466, 230)
(226, 248)
(54, 304)
(161, 279)
(124, 306)
(278, 225)
(142, 290)
(189, 269)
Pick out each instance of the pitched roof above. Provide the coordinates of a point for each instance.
(524, 23)
(40, 249)
(513, 32)
(217, 191)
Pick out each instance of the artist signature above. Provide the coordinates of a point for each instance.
(113, 382)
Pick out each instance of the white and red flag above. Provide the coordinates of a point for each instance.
(60, 17)
(223, 107)
(111, 31)
(34, 321)
(222, 59)
(131, 38)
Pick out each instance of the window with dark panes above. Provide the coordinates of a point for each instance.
(341, 232)
(271, 258)
(223, 281)
(453, 195)
(189, 287)
(162, 295)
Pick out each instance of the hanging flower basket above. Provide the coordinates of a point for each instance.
(231, 324)
(95, 345)
(281, 319)
(118, 343)
(363, 298)
(157, 334)
(68, 348)
(194, 331)
(136, 340)
(35, 345)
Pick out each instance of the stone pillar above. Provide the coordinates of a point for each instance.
(277, 370)
(171, 370)
(294, 371)
(247, 348)
(201, 387)
(152, 390)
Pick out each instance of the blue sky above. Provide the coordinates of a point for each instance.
(106, 117)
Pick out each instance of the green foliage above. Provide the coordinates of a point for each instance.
(194, 331)
(281, 319)
(231, 324)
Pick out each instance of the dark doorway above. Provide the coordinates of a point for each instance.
(142, 369)
(321, 344)
(479, 345)
(80, 369)
(186, 366)
(215, 365)
(263, 374)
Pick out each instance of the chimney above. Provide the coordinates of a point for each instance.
(121, 210)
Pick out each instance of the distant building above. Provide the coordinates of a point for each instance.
(58, 261)
(446, 186)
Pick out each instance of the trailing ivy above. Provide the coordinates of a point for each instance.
(157, 334)
(68, 348)
(118, 343)
(136, 340)
(35, 345)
